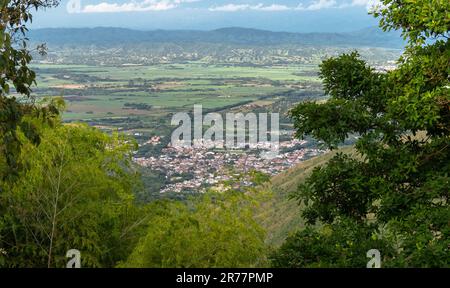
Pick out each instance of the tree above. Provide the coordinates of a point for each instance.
(75, 192)
(214, 230)
(62, 186)
(399, 181)
(342, 244)
(15, 72)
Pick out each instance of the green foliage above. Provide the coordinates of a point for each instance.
(70, 186)
(339, 189)
(400, 179)
(342, 244)
(418, 19)
(12, 119)
(215, 230)
(429, 243)
(75, 192)
(357, 98)
(14, 59)
(61, 186)
(279, 216)
(15, 55)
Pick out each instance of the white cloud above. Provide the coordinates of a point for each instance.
(273, 7)
(369, 4)
(318, 5)
(366, 3)
(230, 7)
(324, 4)
(315, 5)
(162, 5)
(145, 5)
(258, 7)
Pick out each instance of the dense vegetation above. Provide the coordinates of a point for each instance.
(70, 186)
(217, 230)
(394, 194)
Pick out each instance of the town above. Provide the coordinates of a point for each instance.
(191, 169)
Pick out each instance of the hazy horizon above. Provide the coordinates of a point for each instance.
(203, 30)
(302, 16)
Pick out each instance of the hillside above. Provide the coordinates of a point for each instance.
(282, 215)
(109, 36)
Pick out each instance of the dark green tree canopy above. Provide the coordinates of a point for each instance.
(400, 172)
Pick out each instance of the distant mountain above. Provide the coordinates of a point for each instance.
(372, 37)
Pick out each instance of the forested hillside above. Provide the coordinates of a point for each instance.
(66, 186)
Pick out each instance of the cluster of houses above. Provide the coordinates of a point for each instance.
(195, 168)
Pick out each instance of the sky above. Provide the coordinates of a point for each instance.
(279, 15)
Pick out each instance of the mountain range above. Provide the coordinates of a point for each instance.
(370, 37)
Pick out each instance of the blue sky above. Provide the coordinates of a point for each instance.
(280, 15)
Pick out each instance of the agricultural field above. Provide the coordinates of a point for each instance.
(94, 92)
